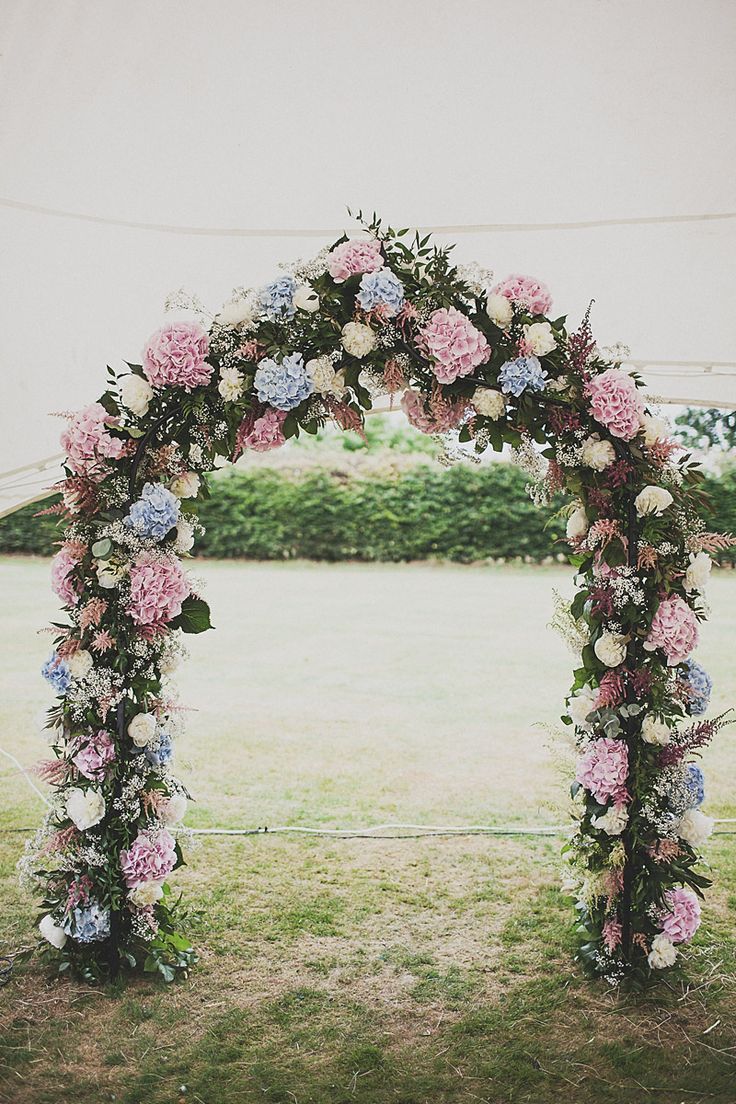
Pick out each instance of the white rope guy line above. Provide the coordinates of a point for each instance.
(314, 232)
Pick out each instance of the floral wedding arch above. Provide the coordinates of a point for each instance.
(383, 313)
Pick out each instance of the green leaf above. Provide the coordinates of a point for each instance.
(194, 616)
(101, 549)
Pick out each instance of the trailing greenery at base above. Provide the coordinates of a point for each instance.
(464, 514)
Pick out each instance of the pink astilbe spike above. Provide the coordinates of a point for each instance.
(344, 415)
(53, 771)
(92, 612)
(103, 642)
(711, 542)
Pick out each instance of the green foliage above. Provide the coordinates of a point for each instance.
(713, 428)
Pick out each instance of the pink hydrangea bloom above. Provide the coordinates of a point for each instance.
(453, 342)
(432, 416)
(604, 768)
(352, 257)
(158, 586)
(265, 432)
(616, 402)
(674, 630)
(150, 858)
(175, 356)
(88, 444)
(66, 588)
(683, 919)
(526, 292)
(93, 759)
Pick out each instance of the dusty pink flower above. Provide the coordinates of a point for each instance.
(612, 934)
(265, 432)
(175, 356)
(604, 768)
(674, 630)
(454, 344)
(351, 257)
(616, 402)
(682, 920)
(88, 444)
(429, 416)
(150, 858)
(158, 586)
(526, 292)
(95, 756)
(66, 588)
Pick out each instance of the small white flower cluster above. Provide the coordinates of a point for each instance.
(388, 336)
(625, 586)
(306, 269)
(478, 278)
(100, 683)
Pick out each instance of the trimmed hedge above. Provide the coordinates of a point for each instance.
(463, 514)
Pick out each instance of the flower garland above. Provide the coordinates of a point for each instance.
(378, 314)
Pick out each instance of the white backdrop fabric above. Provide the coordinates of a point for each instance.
(277, 115)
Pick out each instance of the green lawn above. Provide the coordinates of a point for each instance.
(332, 971)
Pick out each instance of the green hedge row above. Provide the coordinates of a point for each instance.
(463, 514)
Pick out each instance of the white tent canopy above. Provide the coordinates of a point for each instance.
(266, 119)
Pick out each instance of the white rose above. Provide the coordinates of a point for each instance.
(306, 298)
(109, 574)
(610, 648)
(357, 339)
(175, 809)
(185, 485)
(136, 393)
(597, 454)
(500, 311)
(580, 705)
(142, 729)
(577, 524)
(695, 828)
(655, 429)
(652, 500)
(613, 821)
(654, 731)
(489, 403)
(326, 380)
(85, 807)
(148, 893)
(539, 338)
(231, 384)
(80, 664)
(698, 573)
(238, 311)
(184, 536)
(52, 933)
(662, 954)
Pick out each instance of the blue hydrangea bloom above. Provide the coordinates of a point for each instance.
(283, 385)
(696, 784)
(89, 924)
(381, 289)
(276, 300)
(524, 373)
(160, 753)
(699, 686)
(57, 674)
(155, 513)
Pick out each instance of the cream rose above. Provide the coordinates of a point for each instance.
(174, 809)
(655, 429)
(662, 954)
(136, 393)
(500, 311)
(581, 705)
(109, 574)
(231, 384)
(184, 536)
(489, 403)
(52, 933)
(85, 808)
(80, 664)
(698, 573)
(597, 454)
(306, 298)
(326, 380)
(613, 821)
(577, 524)
(695, 828)
(148, 893)
(142, 729)
(237, 312)
(540, 338)
(652, 500)
(610, 647)
(655, 731)
(185, 485)
(357, 339)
